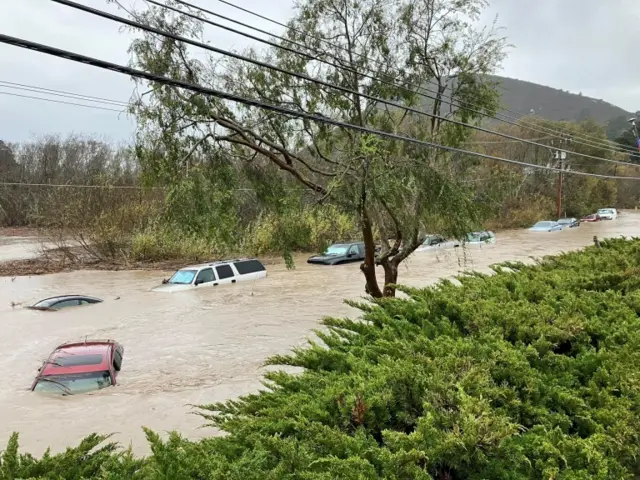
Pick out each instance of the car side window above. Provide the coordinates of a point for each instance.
(66, 303)
(224, 271)
(205, 276)
(353, 250)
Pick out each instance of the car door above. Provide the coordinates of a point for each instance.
(205, 278)
(225, 274)
(353, 254)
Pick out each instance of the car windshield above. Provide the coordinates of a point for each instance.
(605, 211)
(431, 239)
(543, 224)
(566, 220)
(337, 250)
(478, 236)
(182, 277)
(46, 303)
(73, 383)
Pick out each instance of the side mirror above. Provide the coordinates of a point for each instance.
(164, 280)
(197, 282)
(350, 254)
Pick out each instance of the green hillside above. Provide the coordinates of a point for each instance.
(527, 98)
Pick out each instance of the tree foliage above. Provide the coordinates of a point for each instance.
(369, 50)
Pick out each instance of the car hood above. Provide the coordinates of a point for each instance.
(325, 258)
(171, 287)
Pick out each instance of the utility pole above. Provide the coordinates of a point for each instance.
(634, 128)
(560, 156)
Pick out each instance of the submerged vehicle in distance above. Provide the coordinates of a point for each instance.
(434, 242)
(594, 217)
(479, 238)
(340, 253)
(608, 214)
(81, 367)
(213, 274)
(569, 222)
(546, 226)
(64, 301)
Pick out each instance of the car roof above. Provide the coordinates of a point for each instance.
(58, 298)
(99, 347)
(218, 262)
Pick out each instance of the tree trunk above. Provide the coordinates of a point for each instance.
(368, 268)
(390, 278)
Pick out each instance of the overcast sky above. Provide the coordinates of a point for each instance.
(576, 45)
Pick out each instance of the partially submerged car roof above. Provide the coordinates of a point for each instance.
(218, 262)
(80, 357)
(48, 302)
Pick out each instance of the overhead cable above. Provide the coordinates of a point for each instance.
(75, 57)
(548, 130)
(96, 107)
(60, 93)
(196, 43)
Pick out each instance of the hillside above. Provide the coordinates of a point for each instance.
(554, 104)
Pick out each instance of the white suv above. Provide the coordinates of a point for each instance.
(608, 213)
(213, 274)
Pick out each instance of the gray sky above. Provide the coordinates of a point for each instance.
(575, 45)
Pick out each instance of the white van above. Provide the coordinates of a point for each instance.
(213, 274)
(607, 213)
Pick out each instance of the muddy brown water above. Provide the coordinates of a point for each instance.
(200, 346)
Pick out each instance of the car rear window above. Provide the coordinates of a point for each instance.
(249, 266)
(77, 360)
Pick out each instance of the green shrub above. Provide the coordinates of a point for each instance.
(531, 373)
(311, 228)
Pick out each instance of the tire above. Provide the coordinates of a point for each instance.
(117, 365)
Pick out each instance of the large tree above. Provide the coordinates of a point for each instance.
(368, 48)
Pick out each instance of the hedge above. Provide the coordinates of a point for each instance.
(530, 373)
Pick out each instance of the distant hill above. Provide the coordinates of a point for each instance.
(527, 98)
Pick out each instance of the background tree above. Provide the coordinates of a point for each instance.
(368, 48)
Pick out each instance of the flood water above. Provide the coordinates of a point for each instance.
(200, 346)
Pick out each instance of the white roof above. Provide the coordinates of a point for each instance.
(215, 263)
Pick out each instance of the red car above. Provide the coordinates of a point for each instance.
(80, 367)
(591, 218)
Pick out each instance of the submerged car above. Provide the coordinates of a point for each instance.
(64, 301)
(213, 274)
(82, 367)
(569, 222)
(546, 226)
(479, 238)
(340, 253)
(594, 217)
(608, 213)
(433, 242)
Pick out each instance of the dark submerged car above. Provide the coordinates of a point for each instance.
(340, 253)
(64, 301)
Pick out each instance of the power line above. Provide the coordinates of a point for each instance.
(59, 93)
(342, 67)
(596, 142)
(313, 57)
(195, 43)
(125, 187)
(75, 57)
(11, 94)
(70, 185)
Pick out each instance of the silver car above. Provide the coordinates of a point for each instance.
(546, 226)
